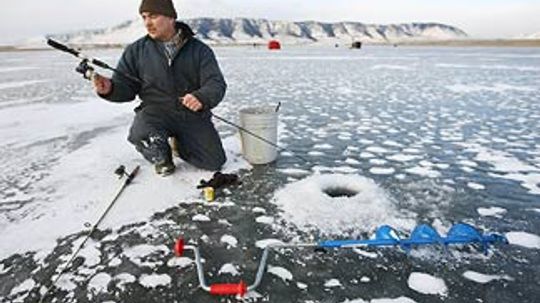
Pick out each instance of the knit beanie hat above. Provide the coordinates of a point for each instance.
(162, 7)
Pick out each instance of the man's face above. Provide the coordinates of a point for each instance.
(159, 27)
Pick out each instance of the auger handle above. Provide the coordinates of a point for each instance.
(229, 289)
(179, 247)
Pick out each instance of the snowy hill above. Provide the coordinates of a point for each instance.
(244, 30)
(530, 36)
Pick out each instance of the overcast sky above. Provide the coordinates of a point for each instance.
(22, 19)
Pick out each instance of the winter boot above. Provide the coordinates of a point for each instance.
(173, 143)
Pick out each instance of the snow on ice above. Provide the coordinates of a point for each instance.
(362, 212)
(491, 211)
(483, 278)
(413, 146)
(154, 280)
(427, 284)
(524, 239)
(280, 272)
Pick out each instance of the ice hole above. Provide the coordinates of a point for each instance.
(338, 192)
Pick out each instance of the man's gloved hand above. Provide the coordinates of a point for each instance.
(191, 102)
(102, 85)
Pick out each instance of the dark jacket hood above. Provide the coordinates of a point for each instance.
(186, 31)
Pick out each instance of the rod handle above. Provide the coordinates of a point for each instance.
(62, 47)
(100, 63)
(227, 289)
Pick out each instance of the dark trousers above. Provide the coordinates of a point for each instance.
(198, 141)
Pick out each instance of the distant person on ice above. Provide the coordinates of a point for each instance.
(171, 59)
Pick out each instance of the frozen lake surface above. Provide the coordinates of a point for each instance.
(424, 135)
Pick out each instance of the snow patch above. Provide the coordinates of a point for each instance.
(366, 254)
(382, 300)
(296, 172)
(476, 186)
(259, 210)
(491, 211)
(229, 269)
(402, 157)
(264, 219)
(423, 171)
(229, 240)
(180, 262)
(359, 213)
(200, 218)
(483, 278)
(377, 150)
(382, 170)
(66, 283)
(280, 272)
(523, 239)
(99, 283)
(137, 253)
(511, 167)
(27, 285)
(154, 280)
(301, 285)
(427, 284)
(124, 278)
(332, 283)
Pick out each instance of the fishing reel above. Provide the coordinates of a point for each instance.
(85, 69)
(121, 172)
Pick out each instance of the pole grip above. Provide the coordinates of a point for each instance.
(133, 174)
(229, 289)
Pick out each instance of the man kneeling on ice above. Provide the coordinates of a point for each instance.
(181, 83)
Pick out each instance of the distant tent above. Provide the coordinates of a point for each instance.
(274, 44)
(356, 45)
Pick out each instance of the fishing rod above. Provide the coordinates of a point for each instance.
(460, 233)
(84, 68)
(121, 172)
(88, 72)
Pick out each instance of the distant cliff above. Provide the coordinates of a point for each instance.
(245, 30)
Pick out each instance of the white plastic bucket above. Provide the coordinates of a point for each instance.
(261, 121)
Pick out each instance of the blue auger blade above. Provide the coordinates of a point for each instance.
(463, 233)
(387, 234)
(422, 235)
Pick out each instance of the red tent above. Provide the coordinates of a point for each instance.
(274, 44)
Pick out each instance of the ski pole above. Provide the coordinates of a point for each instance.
(84, 68)
(129, 177)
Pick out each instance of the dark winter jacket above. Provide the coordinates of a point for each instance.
(193, 70)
